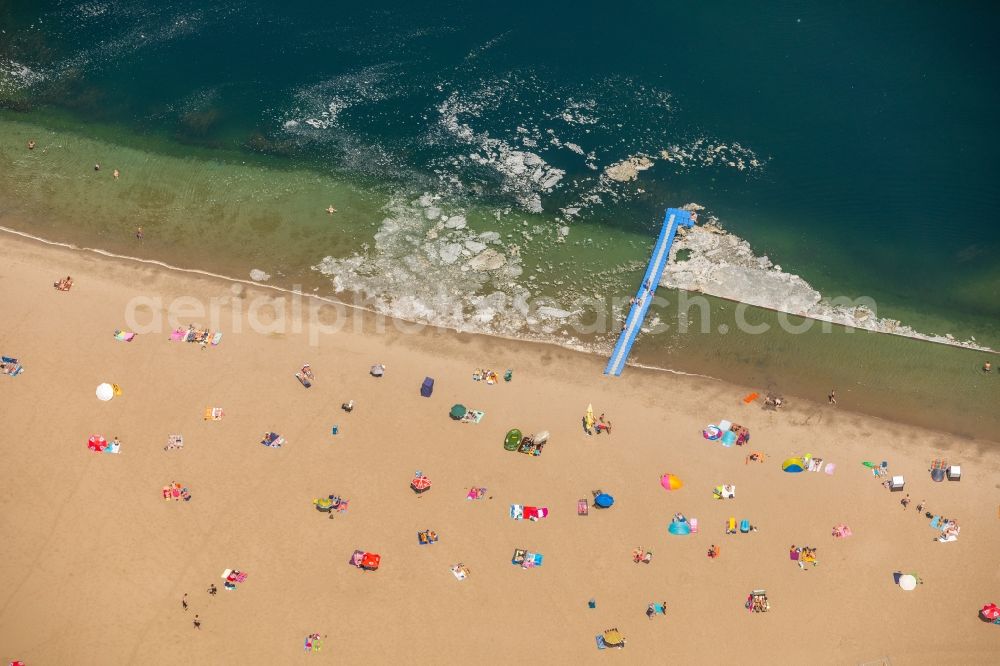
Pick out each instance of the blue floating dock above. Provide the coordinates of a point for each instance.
(674, 218)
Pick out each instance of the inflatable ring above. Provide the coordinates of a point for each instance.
(711, 433)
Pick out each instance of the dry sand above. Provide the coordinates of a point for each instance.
(93, 562)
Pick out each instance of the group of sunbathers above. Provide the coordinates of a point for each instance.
(640, 555)
(10, 367)
(804, 555)
(64, 284)
(758, 603)
(176, 492)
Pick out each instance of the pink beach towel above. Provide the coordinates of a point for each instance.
(177, 335)
(693, 522)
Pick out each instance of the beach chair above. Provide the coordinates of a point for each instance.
(582, 507)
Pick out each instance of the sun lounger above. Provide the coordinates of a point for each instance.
(582, 507)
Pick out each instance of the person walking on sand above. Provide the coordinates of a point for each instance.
(920, 507)
(196, 622)
(184, 601)
(832, 397)
(905, 501)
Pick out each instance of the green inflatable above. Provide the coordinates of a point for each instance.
(513, 440)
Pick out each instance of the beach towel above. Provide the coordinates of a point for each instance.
(582, 507)
(342, 507)
(473, 416)
(174, 442)
(750, 398)
(516, 511)
(460, 571)
(273, 440)
(519, 556)
(830, 467)
(601, 645)
(693, 522)
(476, 493)
(216, 339)
(535, 512)
(660, 608)
(214, 413)
(816, 464)
(178, 335)
(936, 522)
(124, 336)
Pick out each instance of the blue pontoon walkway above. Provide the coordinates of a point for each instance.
(633, 324)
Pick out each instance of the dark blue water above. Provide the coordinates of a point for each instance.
(872, 126)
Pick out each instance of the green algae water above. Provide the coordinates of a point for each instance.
(470, 155)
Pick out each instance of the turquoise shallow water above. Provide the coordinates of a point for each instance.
(854, 145)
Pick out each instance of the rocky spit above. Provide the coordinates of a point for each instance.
(718, 263)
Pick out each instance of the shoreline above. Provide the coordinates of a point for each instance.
(326, 300)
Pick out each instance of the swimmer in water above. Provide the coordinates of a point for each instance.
(116, 173)
(331, 210)
(97, 167)
(31, 144)
(987, 367)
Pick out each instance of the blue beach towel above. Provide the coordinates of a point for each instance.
(936, 522)
(600, 642)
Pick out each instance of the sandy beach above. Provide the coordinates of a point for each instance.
(95, 563)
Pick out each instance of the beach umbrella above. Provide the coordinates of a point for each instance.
(323, 504)
(793, 465)
(457, 411)
(908, 582)
(990, 612)
(671, 482)
(420, 483)
(604, 500)
(105, 392)
(97, 443)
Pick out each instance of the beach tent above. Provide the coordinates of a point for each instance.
(427, 387)
(457, 412)
(897, 483)
(793, 465)
(679, 527)
(97, 443)
(603, 501)
(105, 392)
(671, 482)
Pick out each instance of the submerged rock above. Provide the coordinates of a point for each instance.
(628, 169)
(488, 260)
